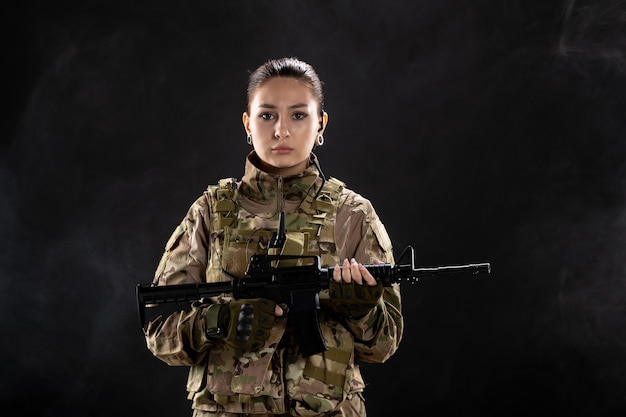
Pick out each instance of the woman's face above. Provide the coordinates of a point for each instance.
(284, 123)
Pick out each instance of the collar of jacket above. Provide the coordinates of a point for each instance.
(262, 187)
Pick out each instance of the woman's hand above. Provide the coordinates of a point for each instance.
(353, 290)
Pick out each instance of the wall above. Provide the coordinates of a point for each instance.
(482, 132)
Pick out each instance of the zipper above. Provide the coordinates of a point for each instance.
(280, 202)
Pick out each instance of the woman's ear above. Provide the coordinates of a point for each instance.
(323, 122)
(245, 119)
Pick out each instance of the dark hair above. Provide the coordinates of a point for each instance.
(287, 67)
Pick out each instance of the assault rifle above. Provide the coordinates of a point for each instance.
(297, 284)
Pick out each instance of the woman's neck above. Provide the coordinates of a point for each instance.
(284, 172)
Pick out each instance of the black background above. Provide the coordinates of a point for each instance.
(481, 131)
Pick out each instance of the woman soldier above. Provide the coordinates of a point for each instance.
(244, 356)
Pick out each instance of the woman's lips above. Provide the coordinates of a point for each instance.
(282, 149)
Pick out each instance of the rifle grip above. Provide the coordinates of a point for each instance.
(306, 330)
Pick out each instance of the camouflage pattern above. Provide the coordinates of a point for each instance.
(230, 222)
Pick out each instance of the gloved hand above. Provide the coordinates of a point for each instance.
(243, 324)
(353, 290)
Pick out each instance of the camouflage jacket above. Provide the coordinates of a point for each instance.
(222, 228)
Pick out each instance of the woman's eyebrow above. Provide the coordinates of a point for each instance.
(272, 106)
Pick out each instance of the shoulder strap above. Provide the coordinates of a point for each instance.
(328, 197)
(222, 199)
(325, 205)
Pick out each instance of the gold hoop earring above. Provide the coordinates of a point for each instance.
(320, 140)
(249, 140)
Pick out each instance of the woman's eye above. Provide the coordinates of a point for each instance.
(267, 116)
(299, 116)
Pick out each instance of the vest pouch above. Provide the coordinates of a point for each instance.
(196, 378)
(240, 245)
(326, 378)
(296, 243)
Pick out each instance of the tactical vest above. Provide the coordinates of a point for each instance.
(237, 233)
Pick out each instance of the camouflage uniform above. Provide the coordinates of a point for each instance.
(222, 228)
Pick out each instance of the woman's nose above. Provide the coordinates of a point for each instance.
(282, 129)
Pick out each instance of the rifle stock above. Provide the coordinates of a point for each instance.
(297, 284)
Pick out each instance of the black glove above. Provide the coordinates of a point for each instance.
(243, 324)
(353, 299)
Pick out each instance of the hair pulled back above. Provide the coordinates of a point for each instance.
(287, 67)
